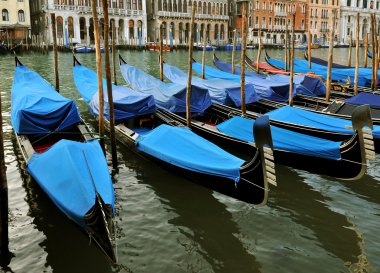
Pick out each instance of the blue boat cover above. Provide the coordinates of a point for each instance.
(127, 103)
(221, 91)
(63, 172)
(337, 74)
(183, 148)
(169, 96)
(36, 107)
(304, 85)
(316, 120)
(264, 88)
(242, 128)
(372, 100)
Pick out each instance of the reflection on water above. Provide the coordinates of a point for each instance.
(166, 223)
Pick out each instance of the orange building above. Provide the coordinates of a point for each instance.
(271, 17)
(321, 14)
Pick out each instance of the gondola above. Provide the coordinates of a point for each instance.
(63, 156)
(157, 137)
(290, 148)
(322, 62)
(317, 124)
(337, 74)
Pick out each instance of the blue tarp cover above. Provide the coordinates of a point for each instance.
(62, 172)
(127, 103)
(36, 107)
(221, 91)
(169, 96)
(304, 85)
(264, 88)
(372, 100)
(337, 74)
(181, 147)
(242, 128)
(315, 120)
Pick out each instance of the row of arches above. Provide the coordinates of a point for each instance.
(201, 7)
(121, 4)
(180, 32)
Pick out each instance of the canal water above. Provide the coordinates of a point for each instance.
(166, 223)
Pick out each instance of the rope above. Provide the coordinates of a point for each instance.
(253, 184)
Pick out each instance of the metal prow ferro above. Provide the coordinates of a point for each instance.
(121, 60)
(263, 136)
(17, 61)
(361, 117)
(75, 61)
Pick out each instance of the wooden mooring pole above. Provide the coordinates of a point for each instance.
(286, 46)
(114, 52)
(55, 51)
(243, 49)
(373, 30)
(309, 48)
(190, 69)
(204, 54)
(4, 240)
(357, 55)
(99, 72)
(366, 50)
(291, 84)
(233, 52)
(349, 50)
(330, 57)
(161, 57)
(258, 54)
(111, 113)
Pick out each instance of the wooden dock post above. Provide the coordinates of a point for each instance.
(55, 51)
(114, 53)
(161, 57)
(349, 50)
(357, 55)
(99, 73)
(109, 83)
(366, 50)
(330, 57)
(190, 68)
(233, 52)
(258, 54)
(309, 48)
(4, 239)
(291, 84)
(243, 49)
(204, 54)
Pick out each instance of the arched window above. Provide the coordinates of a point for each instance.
(131, 27)
(179, 6)
(165, 6)
(199, 7)
(170, 5)
(163, 26)
(159, 3)
(204, 8)
(59, 27)
(70, 23)
(175, 9)
(185, 6)
(5, 15)
(140, 4)
(21, 16)
(209, 8)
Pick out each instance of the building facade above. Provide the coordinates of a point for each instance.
(14, 21)
(271, 17)
(349, 10)
(174, 16)
(321, 14)
(74, 20)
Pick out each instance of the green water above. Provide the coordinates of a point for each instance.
(169, 224)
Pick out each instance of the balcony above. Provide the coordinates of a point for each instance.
(324, 30)
(263, 26)
(188, 15)
(280, 13)
(111, 11)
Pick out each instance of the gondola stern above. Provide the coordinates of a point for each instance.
(263, 140)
